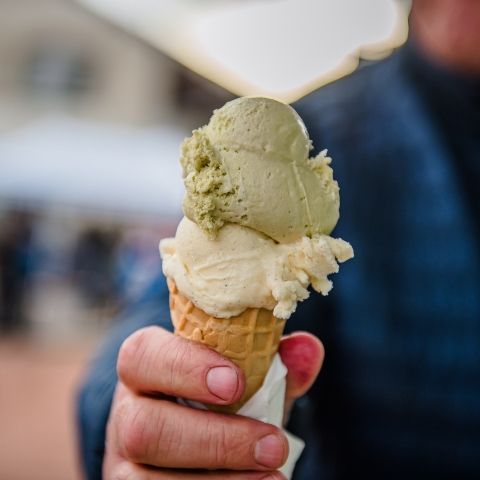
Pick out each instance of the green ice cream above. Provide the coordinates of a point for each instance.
(250, 166)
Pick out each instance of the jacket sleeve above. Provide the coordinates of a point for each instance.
(96, 391)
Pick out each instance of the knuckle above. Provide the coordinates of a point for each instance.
(229, 443)
(131, 352)
(274, 476)
(184, 358)
(261, 476)
(181, 365)
(133, 433)
(123, 471)
(222, 446)
(218, 444)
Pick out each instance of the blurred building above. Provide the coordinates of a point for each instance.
(57, 57)
(91, 118)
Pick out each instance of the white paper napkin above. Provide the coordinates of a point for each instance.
(267, 406)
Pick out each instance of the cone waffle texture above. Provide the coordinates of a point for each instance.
(250, 339)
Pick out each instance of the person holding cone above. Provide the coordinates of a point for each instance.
(398, 396)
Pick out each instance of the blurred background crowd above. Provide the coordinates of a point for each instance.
(94, 103)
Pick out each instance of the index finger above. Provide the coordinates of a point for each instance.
(154, 360)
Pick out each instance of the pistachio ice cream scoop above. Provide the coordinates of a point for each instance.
(250, 166)
(241, 268)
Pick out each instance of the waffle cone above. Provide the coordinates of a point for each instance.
(250, 339)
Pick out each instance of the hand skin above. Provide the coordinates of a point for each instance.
(150, 437)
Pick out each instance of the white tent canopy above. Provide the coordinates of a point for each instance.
(109, 168)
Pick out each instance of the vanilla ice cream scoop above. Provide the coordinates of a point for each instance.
(241, 268)
(250, 166)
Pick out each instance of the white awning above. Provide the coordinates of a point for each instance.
(87, 165)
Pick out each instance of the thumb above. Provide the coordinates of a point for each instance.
(303, 354)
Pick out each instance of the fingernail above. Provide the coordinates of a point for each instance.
(222, 382)
(270, 451)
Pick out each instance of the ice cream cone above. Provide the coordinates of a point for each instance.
(250, 339)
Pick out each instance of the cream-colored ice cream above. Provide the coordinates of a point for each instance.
(250, 166)
(241, 268)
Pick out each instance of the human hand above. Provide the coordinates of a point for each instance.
(150, 437)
